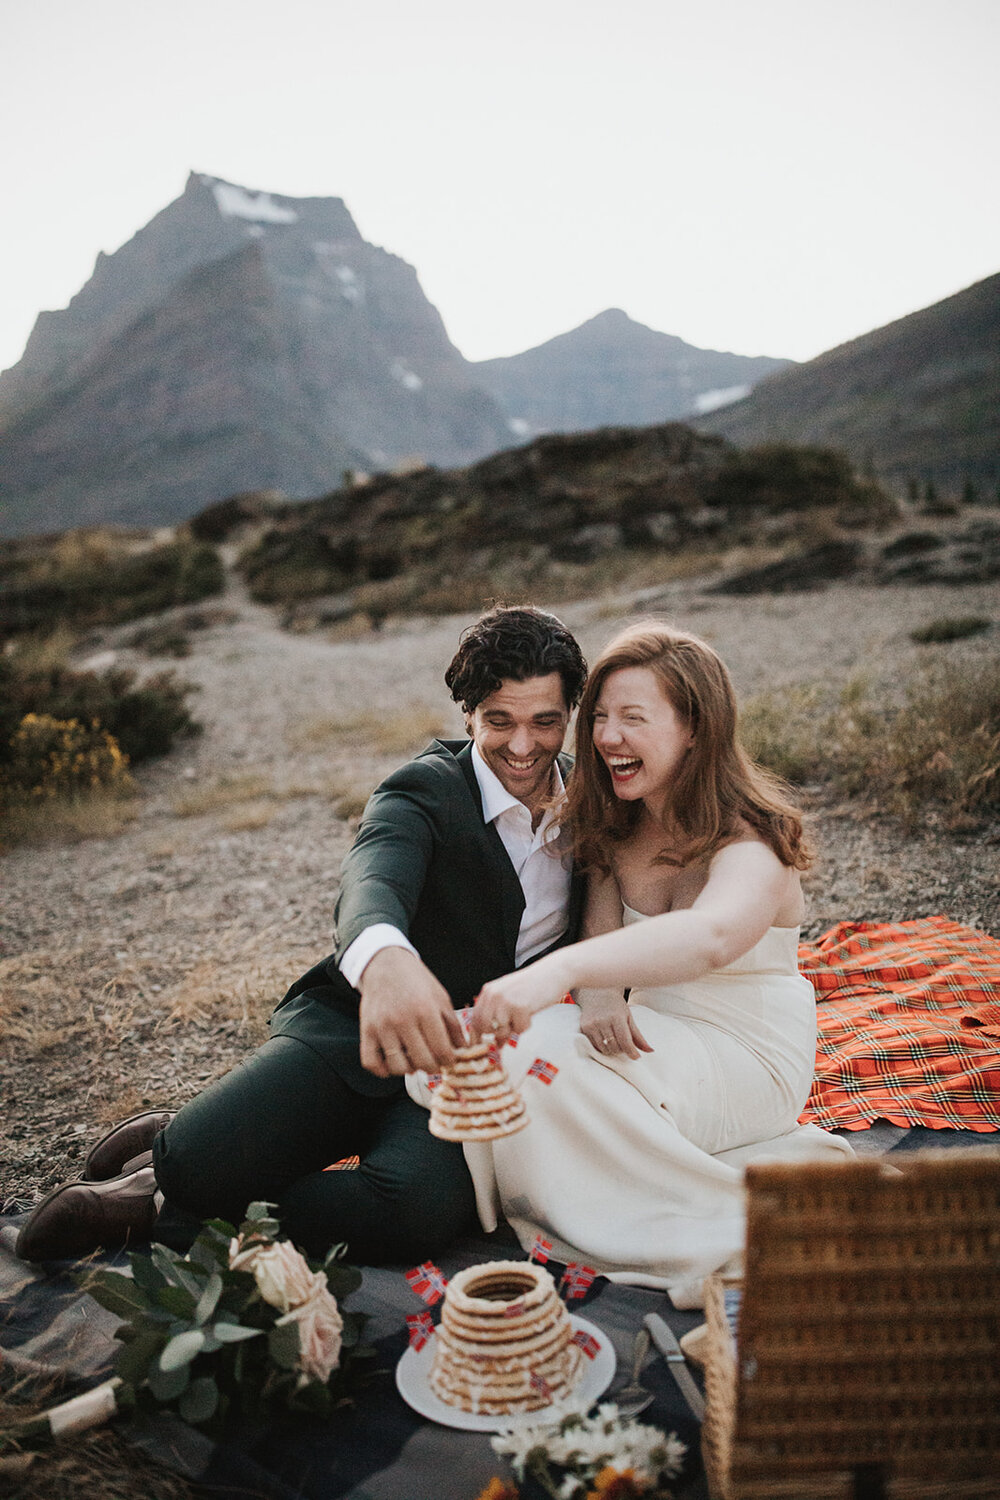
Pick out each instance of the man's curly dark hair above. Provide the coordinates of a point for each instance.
(518, 642)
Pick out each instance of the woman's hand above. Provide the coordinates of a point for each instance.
(609, 1025)
(506, 1005)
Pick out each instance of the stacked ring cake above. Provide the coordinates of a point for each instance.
(474, 1101)
(505, 1342)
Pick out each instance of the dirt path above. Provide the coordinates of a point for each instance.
(134, 969)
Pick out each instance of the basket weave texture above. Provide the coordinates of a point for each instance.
(868, 1333)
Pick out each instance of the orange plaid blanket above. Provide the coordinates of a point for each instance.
(909, 1025)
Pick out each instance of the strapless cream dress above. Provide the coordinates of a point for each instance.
(636, 1167)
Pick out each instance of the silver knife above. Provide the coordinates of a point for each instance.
(668, 1346)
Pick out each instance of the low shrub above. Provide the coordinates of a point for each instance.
(88, 579)
(950, 628)
(144, 718)
(49, 758)
(935, 749)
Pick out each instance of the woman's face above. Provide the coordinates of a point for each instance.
(639, 735)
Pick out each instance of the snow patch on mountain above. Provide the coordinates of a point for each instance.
(236, 203)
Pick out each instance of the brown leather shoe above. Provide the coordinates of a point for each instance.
(121, 1144)
(78, 1217)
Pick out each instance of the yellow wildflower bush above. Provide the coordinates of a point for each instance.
(50, 758)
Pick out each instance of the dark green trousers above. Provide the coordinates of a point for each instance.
(266, 1131)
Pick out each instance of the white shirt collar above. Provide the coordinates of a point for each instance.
(496, 798)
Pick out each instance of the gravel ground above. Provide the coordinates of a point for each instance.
(136, 968)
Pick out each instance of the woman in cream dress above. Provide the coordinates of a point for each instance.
(691, 1048)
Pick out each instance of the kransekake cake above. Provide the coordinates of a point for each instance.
(505, 1342)
(474, 1100)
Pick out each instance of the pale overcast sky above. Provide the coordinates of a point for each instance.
(766, 176)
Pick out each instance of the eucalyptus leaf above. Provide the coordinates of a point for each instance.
(118, 1293)
(145, 1274)
(167, 1385)
(283, 1345)
(176, 1271)
(135, 1357)
(182, 1349)
(178, 1301)
(209, 1299)
(234, 1333)
(200, 1400)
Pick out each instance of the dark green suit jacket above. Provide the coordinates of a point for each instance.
(426, 861)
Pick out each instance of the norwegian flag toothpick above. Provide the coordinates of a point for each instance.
(542, 1070)
(433, 1079)
(587, 1342)
(420, 1329)
(576, 1280)
(514, 1309)
(540, 1250)
(541, 1385)
(428, 1282)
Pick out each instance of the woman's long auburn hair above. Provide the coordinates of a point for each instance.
(718, 789)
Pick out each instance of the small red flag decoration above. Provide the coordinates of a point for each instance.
(540, 1250)
(542, 1070)
(433, 1079)
(428, 1282)
(576, 1280)
(513, 1310)
(420, 1329)
(587, 1343)
(541, 1385)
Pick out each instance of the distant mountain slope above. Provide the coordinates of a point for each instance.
(916, 400)
(241, 340)
(613, 371)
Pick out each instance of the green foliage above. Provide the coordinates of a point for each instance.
(49, 758)
(209, 1339)
(935, 750)
(950, 628)
(779, 477)
(144, 719)
(87, 579)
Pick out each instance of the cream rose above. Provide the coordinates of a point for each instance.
(283, 1278)
(320, 1327)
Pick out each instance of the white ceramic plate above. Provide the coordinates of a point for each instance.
(413, 1371)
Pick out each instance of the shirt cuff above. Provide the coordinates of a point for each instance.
(365, 946)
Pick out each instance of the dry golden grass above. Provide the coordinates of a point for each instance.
(248, 819)
(223, 792)
(348, 796)
(926, 746)
(389, 732)
(93, 1465)
(101, 814)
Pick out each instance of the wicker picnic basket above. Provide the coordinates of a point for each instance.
(860, 1355)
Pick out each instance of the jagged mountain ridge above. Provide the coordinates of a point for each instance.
(915, 401)
(239, 340)
(614, 371)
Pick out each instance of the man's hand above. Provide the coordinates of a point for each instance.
(407, 1019)
(609, 1025)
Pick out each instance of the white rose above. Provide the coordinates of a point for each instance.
(283, 1278)
(320, 1328)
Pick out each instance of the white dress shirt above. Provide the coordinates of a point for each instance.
(541, 863)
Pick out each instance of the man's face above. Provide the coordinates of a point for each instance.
(519, 731)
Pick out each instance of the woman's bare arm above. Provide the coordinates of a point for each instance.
(746, 885)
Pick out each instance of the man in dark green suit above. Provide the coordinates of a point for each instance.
(455, 877)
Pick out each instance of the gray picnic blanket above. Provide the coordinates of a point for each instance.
(378, 1448)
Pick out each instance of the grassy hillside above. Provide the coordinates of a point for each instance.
(916, 402)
